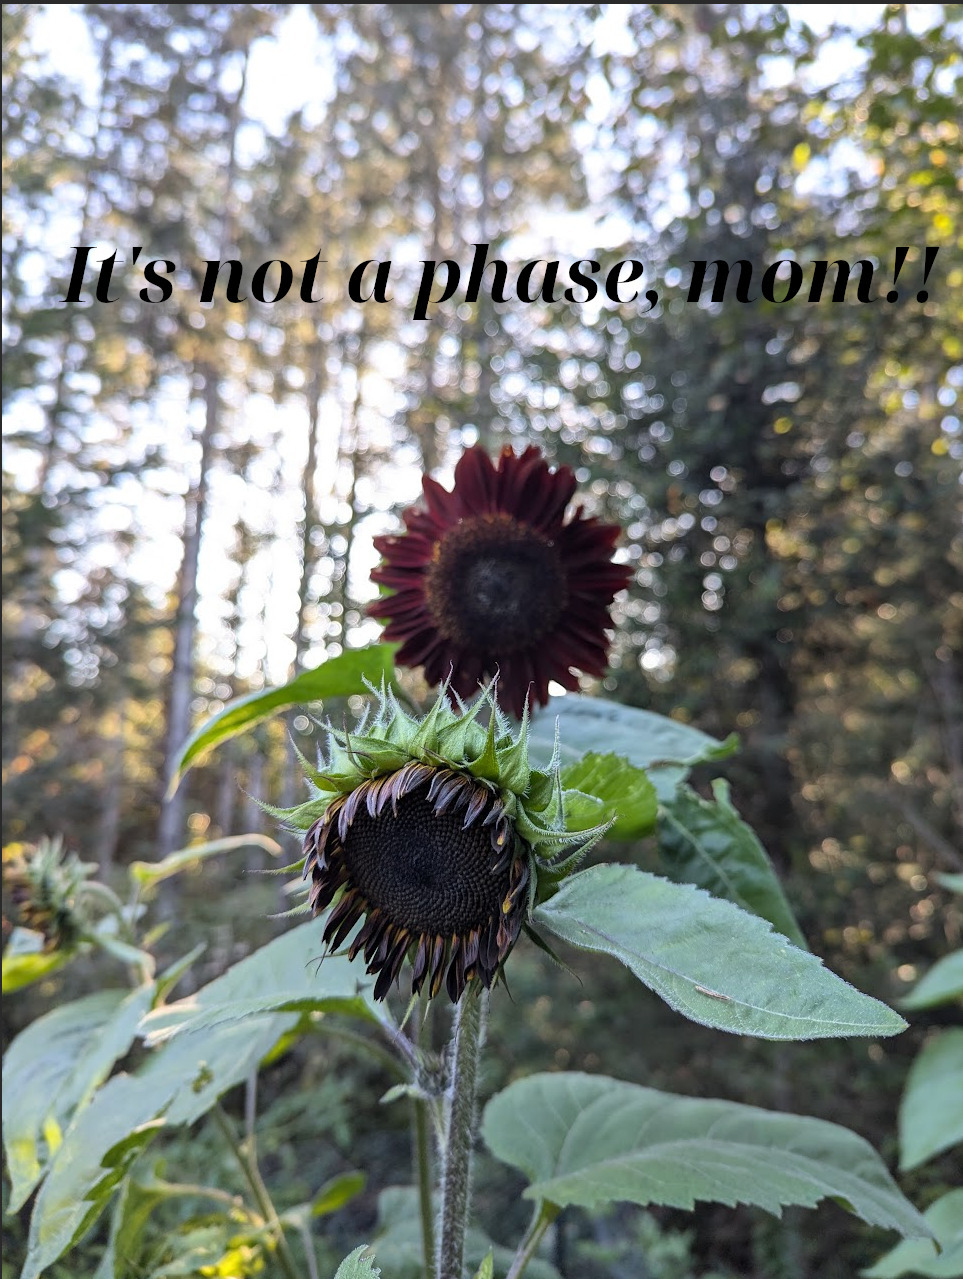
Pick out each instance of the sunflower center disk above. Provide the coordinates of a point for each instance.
(423, 870)
(496, 585)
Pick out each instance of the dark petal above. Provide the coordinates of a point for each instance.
(508, 928)
(475, 483)
(419, 646)
(488, 954)
(406, 604)
(538, 496)
(391, 965)
(377, 795)
(413, 550)
(310, 846)
(368, 934)
(324, 888)
(453, 795)
(351, 805)
(343, 918)
(503, 861)
(444, 506)
(497, 810)
(456, 972)
(440, 778)
(420, 966)
(437, 967)
(501, 835)
(476, 806)
(471, 945)
(412, 775)
(325, 841)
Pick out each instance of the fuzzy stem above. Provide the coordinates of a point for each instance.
(456, 1168)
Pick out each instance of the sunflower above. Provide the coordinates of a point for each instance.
(490, 578)
(436, 837)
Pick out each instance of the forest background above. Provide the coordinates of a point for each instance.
(190, 492)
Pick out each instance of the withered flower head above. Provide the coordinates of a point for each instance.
(489, 578)
(433, 835)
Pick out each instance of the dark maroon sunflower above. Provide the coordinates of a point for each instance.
(490, 578)
(429, 858)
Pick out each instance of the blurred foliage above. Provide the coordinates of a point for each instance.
(787, 475)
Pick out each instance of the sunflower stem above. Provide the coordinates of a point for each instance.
(456, 1155)
(244, 1153)
(422, 1152)
(421, 1156)
(543, 1217)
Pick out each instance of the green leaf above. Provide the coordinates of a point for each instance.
(150, 873)
(711, 846)
(589, 1140)
(334, 1194)
(168, 979)
(286, 975)
(208, 1044)
(359, 1265)
(24, 970)
(487, 1268)
(931, 1112)
(617, 790)
(665, 748)
(25, 960)
(133, 1207)
(337, 677)
(78, 1186)
(919, 1256)
(52, 1068)
(709, 960)
(177, 1084)
(943, 984)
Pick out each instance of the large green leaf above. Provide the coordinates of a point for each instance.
(711, 846)
(176, 1085)
(52, 1068)
(286, 975)
(665, 748)
(115, 1127)
(609, 788)
(931, 1111)
(709, 960)
(589, 1140)
(337, 677)
(919, 1256)
(943, 984)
